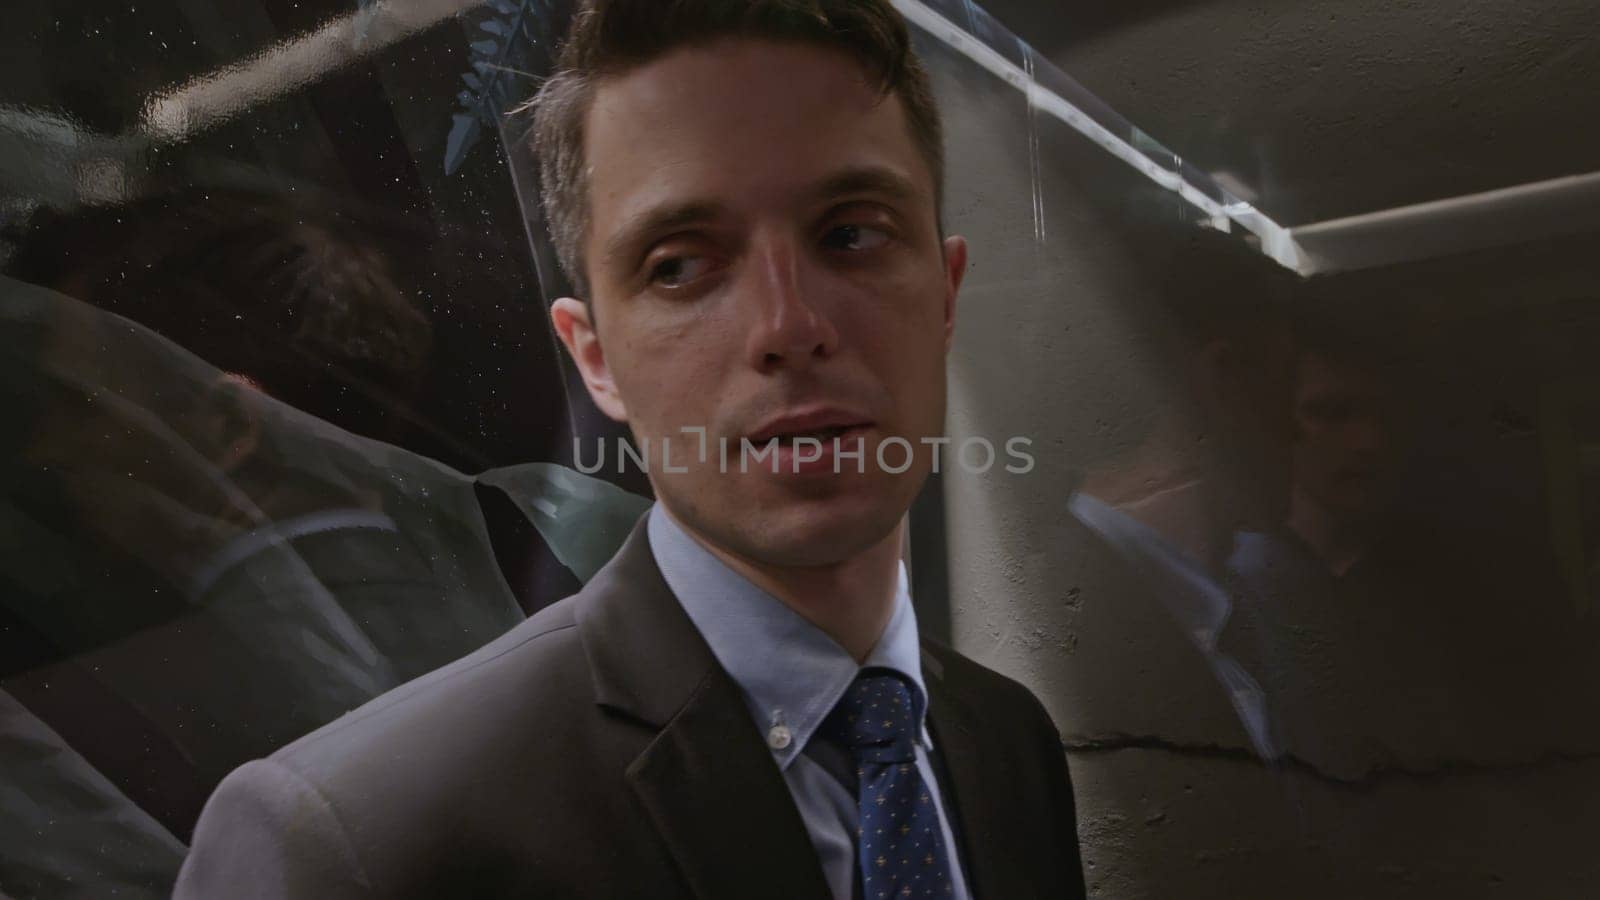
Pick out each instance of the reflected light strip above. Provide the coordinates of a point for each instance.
(1435, 228)
(1275, 241)
(290, 65)
(1526, 212)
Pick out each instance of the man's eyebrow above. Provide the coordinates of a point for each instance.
(869, 180)
(636, 229)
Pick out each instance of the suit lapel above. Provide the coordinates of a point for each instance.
(707, 781)
(956, 738)
(718, 801)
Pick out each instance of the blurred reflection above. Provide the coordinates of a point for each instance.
(288, 300)
(1343, 453)
(193, 572)
(1381, 601)
(1338, 539)
(1168, 498)
(1328, 587)
(181, 545)
(265, 306)
(292, 297)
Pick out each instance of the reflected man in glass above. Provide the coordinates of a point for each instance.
(1201, 453)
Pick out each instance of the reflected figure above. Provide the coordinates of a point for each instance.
(185, 543)
(1333, 588)
(1371, 603)
(294, 297)
(200, 558)
(1343, 455)
(1338, 538)
(1160, 636)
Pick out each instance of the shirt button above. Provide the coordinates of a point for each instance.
(778, 738)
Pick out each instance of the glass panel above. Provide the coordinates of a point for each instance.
(1302, 567)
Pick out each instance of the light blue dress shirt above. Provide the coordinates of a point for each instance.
(792, 674)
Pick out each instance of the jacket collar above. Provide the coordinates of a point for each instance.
(957, 735)
(743, 624)
(644, 654)
(706, 781)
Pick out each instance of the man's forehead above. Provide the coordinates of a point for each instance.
(741, 111)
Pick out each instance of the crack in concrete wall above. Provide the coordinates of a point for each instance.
(1372, 779)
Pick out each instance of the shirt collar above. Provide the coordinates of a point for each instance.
(791, 672)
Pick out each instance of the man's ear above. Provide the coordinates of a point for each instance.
(955, 262)
(575, 326)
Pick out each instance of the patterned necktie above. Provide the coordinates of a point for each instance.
(900, 847)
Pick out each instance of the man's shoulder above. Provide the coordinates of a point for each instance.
(442, 777)
(537, 668)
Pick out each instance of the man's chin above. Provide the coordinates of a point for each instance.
(822, 551)
(805, 522)
(808, 535)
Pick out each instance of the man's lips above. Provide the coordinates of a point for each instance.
(823, 423)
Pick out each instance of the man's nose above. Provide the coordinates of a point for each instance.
(792, 321)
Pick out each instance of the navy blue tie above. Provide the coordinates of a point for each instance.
(900, 846)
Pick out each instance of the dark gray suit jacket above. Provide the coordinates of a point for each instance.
(598, 750)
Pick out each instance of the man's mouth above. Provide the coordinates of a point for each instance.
(820, 423)
(821, 435)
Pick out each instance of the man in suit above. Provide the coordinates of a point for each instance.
(738, 704)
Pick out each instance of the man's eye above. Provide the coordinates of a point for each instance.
(679, 270)
(856, 237)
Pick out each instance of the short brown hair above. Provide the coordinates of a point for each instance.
(609, 37)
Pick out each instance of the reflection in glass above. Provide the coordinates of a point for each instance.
(1302, 572)
(253, 336)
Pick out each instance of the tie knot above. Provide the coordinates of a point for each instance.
(876, 718)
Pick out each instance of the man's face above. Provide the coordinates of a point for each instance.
(762, 245)
(1343, 458)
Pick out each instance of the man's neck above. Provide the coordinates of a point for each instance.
(851, 601)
